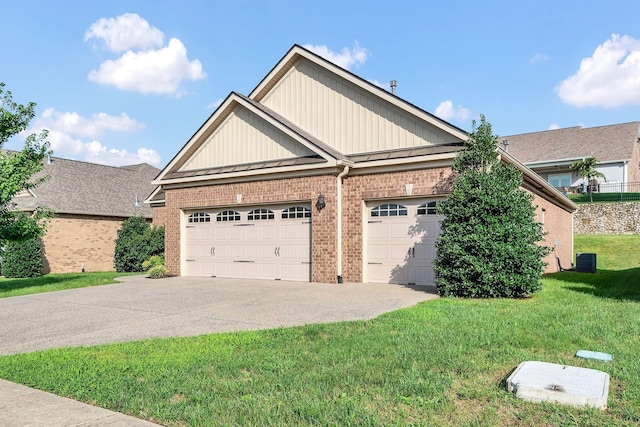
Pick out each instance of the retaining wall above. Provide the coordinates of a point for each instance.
(607, 218)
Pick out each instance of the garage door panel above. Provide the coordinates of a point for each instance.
(252, 242)
(401, 249)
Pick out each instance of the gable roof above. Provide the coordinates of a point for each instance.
(316, 152)
(76, 187)
(605, 143)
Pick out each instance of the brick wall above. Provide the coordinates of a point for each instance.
(357, 189)
(557, 226)
(323, 227)
(73, 240)
(159, 215)
(607, 218)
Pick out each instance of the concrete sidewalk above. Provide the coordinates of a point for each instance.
(22, 406)
(139, 308)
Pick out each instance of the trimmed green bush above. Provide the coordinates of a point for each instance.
(22, 259)
(137, 241)
(488, 246)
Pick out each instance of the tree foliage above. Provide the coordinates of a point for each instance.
(587, 170)
(137, 242)
(17, 170)
(22, 259)
(488, 246)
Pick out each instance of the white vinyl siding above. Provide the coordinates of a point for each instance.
(350, 118)
(244, 138)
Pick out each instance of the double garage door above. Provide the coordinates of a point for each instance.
(401, 241)
(269, 242)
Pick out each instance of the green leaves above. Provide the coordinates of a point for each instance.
(19, 170)
(488, 242)
(137, 242)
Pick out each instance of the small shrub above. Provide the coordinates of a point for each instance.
(154, 266)
(22, 259)
(137, 241)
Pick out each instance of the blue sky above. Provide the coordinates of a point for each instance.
(123, 82)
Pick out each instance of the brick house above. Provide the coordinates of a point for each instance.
(90, 202)
(319, 175)
(550, 154)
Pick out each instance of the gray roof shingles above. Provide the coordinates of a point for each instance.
(605, 143)
(76, 187)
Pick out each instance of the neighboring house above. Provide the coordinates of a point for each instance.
(550, 153)
(319, 175)
(90, 202)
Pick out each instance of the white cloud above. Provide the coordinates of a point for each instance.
(539, 57)
(74, 136)
(154, 71)
(385, 86)
(128, 31)
(153, 68)
(215, 104)
(91, 127)
(346, 58)
(554, 126)
(98, 153)
(447, 111)
(608, 78)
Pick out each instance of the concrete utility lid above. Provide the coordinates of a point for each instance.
(570, 385)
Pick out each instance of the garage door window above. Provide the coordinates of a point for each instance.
(390, 209)
(260, 215)
(226, 216)
(199, 217)
(296, 212)
(427, 208)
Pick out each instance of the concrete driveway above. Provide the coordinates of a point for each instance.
(139, 308)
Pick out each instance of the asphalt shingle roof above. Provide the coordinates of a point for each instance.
(605, 143)
(76, 187)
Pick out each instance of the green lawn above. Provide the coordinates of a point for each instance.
(55, 282)
(441, 362)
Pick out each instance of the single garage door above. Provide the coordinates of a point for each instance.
(401, 241)
(269, 242)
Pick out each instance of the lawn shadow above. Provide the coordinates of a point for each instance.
(613, 284)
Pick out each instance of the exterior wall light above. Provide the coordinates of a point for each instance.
(320, 204)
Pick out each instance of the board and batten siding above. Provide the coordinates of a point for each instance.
(244, 138)
(345, 116)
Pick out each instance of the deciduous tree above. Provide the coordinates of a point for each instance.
(17, 170)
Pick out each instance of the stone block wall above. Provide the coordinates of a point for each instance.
(607, 218)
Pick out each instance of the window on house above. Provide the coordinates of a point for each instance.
(296, 212)
(225, 216)
(390, 209)
(561, 180)
(199, 217)
(260, 214)
(427, 208)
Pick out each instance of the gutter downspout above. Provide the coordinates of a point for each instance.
(339, 178)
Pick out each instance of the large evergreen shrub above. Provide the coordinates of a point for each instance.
(137, 241)
(22, 259)
(488, 246)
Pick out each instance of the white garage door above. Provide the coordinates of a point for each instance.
(255, 243)
(401, 241)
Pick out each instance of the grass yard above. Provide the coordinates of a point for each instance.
(439, 363)
(55, 282)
